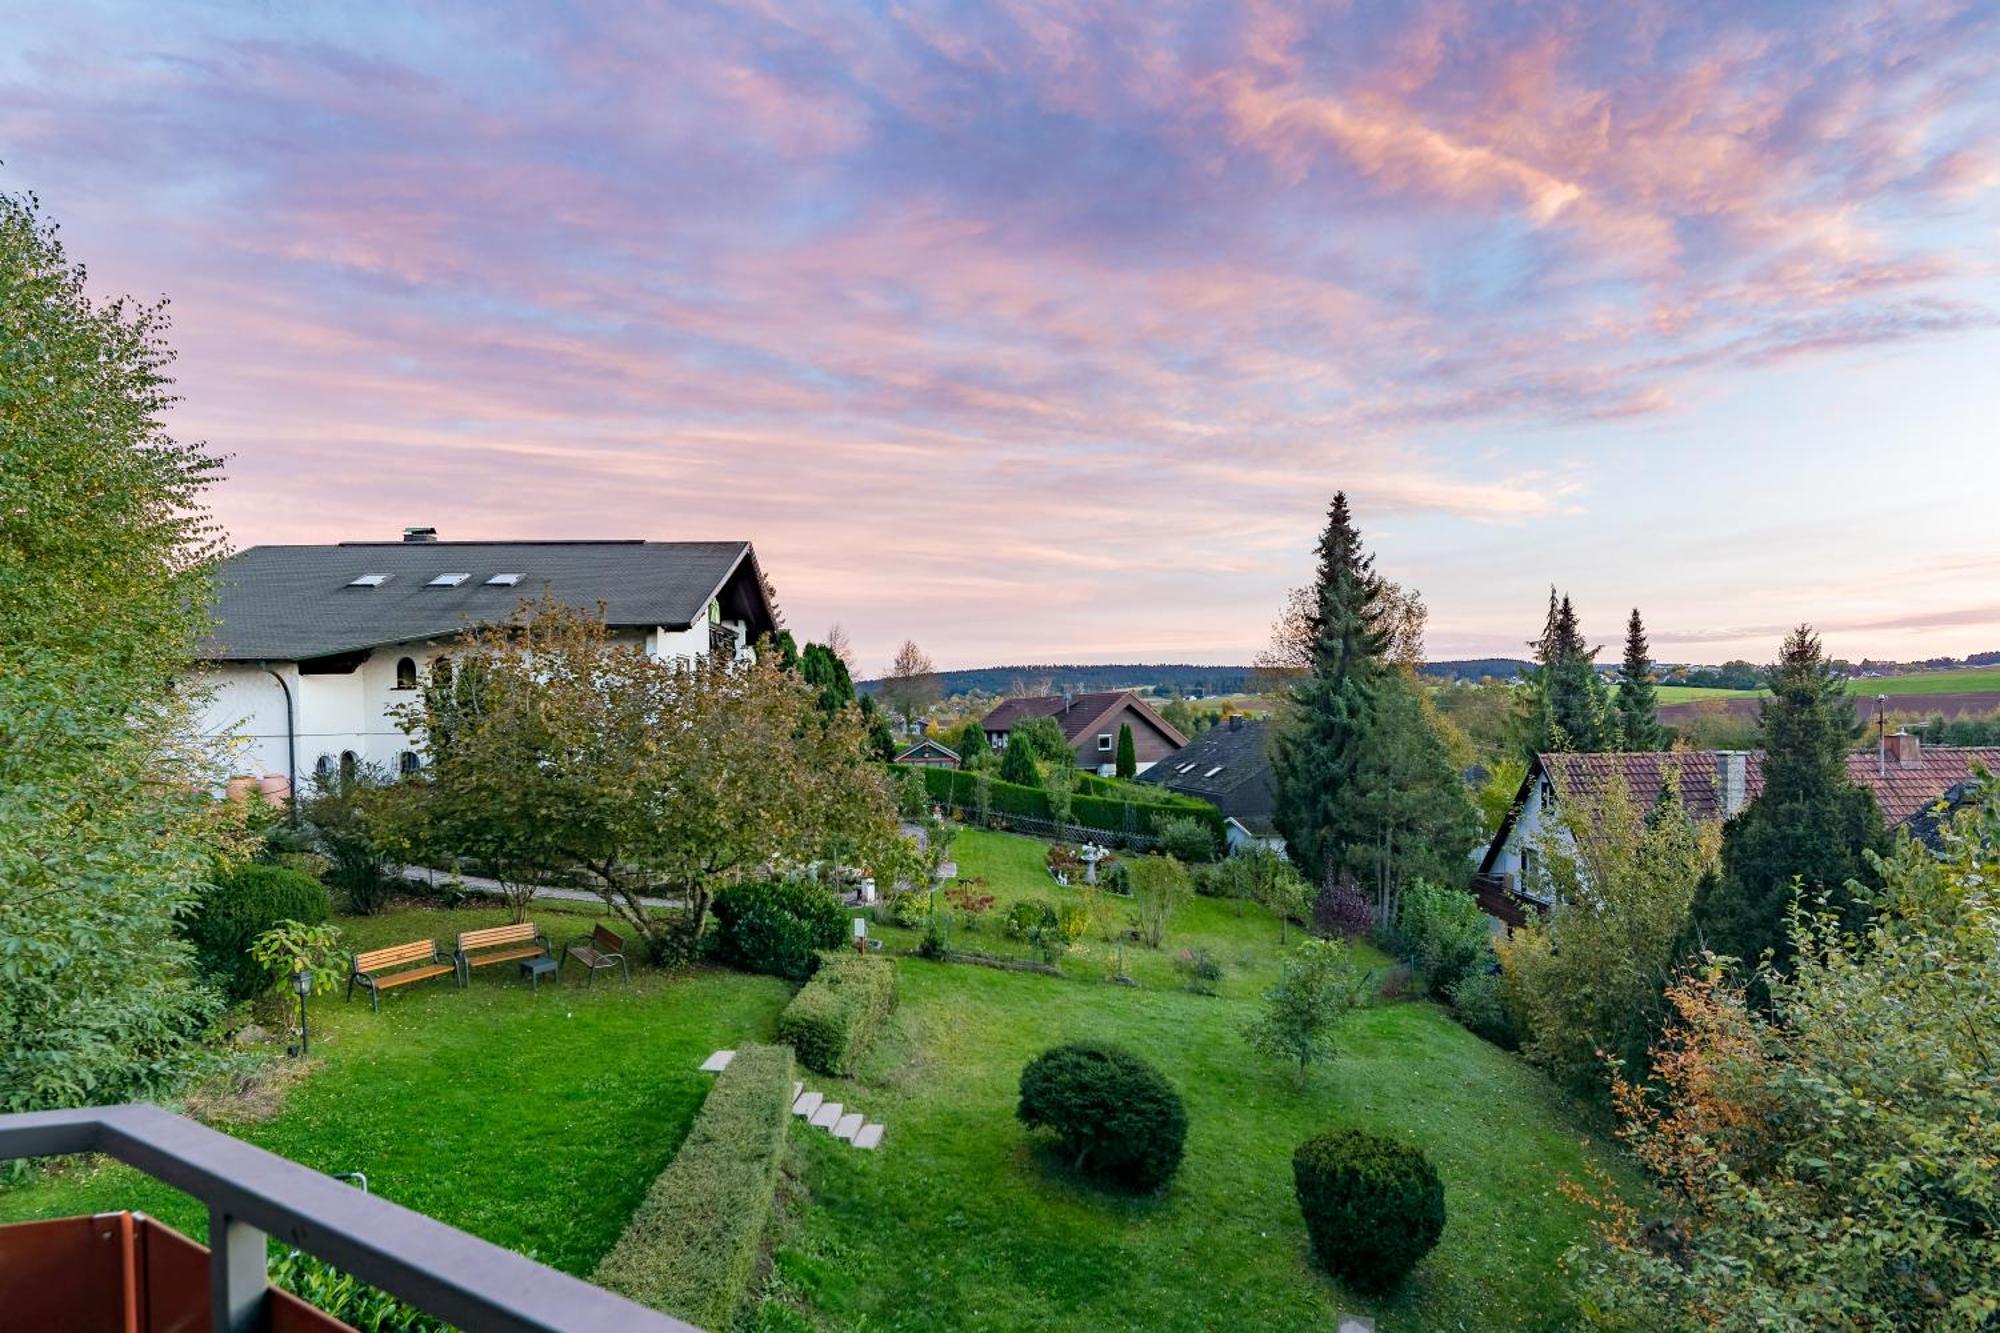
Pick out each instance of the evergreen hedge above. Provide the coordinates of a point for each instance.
(691, 1247)
(834, 1019)
(1373, 1206)
(955, 787)
(1118, 1117)
(777, 927)
(243, 902)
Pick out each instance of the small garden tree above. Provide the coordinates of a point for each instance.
(1017, 763)
(1128, 754)
(1158, 885)
(1318, 984)
(1117, 1116)
(1373, 1206)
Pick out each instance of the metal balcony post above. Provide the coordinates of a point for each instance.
(237, 1273)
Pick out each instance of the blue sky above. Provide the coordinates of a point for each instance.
(1045, 331)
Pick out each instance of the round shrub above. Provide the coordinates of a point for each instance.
(1117, 1116)
(777, 926)
(243, 903)
(1185, 838)
(1373, 1206)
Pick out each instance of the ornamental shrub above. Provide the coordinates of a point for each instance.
(243, 903)
(1343, 911)
(1444, 933)
(1185, 839)
(833, 1020)
(1373, 1206)
(1115, 1115)
(777, 926)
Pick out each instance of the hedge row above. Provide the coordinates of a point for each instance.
(834, 1019)
(690, 1249)
(957, 788)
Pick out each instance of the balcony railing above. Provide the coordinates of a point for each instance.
(253, 1195)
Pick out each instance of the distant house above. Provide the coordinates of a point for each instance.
(1907, 777)
(927, 753)
(315, 646)
(1229, 766)
(1090, 723)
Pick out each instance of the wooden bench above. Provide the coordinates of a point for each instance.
(398, 965)
(597, 950)
(498, 944)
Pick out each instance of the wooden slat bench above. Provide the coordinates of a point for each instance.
(498, 944)
(398, 965)
(596, 951)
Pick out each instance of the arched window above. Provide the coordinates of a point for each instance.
(350, 763)
(406, 673)
(407, 763)
(323, 768)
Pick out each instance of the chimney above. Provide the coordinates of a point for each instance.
(420, 534)
(1236, 721)
(1731, 779)
(1905, 750)
(1069, 697)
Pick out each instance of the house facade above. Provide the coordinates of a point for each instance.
(1229, 766)
(929, 753)
(1907, 777)
(1090, 723)
(315, 647)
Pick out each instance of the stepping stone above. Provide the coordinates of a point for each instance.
(869, 1136)
(718, 1062)
(827, 1116)
(849, 1126)
(797, 1088)
(807, 1103)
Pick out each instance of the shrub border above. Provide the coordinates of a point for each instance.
(832, 1021)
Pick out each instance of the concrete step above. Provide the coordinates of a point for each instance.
(718, 1062)
(807, 1102)
(827, 1116)
(869, 1137)
(848, 1126)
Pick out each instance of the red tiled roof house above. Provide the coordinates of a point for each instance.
(1090, 723)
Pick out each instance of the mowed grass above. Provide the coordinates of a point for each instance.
(966, 1221)
(534, 1120)
(1971, 680)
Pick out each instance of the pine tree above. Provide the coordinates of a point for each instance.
(1639, 726)
(1568, 702)
(1128, 754)
(1017, 763)
(1810, 826)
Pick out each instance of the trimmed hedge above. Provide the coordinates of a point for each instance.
(691, 1248)
(834, 1019)
(1373, 1206)
(243, 903)
(776, 926)
(955, 787)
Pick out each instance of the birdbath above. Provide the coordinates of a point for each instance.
(1091, 855)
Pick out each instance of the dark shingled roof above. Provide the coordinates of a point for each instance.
(1078, 715)
(1242, 789)
(288, 603)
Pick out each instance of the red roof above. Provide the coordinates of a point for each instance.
(1078, 714)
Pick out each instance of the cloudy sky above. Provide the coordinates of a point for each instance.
(1046, 331)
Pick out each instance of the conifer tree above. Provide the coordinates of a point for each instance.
(1810, 826)
(1128, 754)
(1639, 726)
(1017, 763)
(1568, 703)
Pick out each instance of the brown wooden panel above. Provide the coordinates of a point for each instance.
(479, 939)
(482, 959)
(394, 954)
(414, 974)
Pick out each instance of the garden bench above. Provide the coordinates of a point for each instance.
(398, 965)
(497, 944)
(597, 950)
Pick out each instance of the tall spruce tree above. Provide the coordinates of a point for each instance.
(1364, 788)
(1810, 826)
(1638, 696)
(1568, 704)
(1128, 752)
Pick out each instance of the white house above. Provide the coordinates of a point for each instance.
(314, 646)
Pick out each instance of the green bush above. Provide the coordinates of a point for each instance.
(1117, 1116)
(1119, 815)
(777, 926)
(1373, 1207)
(1201, 971)
(834, 1019)
(1476, 1002)
(243, 903)
(1185, 839)
(691, 1248)
(1445, 933)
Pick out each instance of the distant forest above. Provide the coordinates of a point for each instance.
(1164, 678)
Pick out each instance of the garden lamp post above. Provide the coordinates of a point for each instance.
(302, 982)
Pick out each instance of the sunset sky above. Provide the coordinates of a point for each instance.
(1045, 332)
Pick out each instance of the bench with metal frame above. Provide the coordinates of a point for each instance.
(497, 944)
(598, 950)
(398, 965)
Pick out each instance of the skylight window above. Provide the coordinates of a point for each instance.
(1184, 768)
(449, 580)
(1213, 771)
(369, 581)
(504, 580)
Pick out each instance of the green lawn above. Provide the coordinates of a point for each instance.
(537, 1121)
(534, 1120)
(1971, 680)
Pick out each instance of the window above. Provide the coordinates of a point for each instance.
(1213, 771)
(448, 580)
(369, 581)
(504, 580)
(323, 768)
(350, 764)
(1104, 742)
(407, 762)
(406, 673)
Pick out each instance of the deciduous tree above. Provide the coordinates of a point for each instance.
(911, 685)
(1316, 986)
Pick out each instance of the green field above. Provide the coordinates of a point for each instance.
(538, 1120)
(1972, 680)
